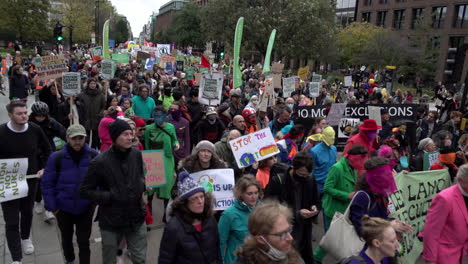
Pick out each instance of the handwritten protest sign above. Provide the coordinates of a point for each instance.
(429, 159)
(253, 147)
(13, 183)
(120, 58)
(50, 67)
(277, 68)
(303, 73)
(219, 182)
(107, 69)
(211, 87)
(289, 85)
(314, 89)
(164, 49)
(268, 97)
(154, 168)
(71, 83)
(374, 113)
(276, 80)
(316, 78)
(410, 204)
(346, 127)
(348, 81)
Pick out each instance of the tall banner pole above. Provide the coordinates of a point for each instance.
(237, 76)
(105, 40)
(271, 42)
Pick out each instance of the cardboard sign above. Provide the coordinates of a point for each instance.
(13, 183)
(165, 59)
(276, 80)
(374, 113)
(268, 97)
(346, 126)
(142, 56)
(154, 168)
(303, 73)
(219, 182)
(348, 81)
(108, 69)
(289, 85)
(211, 87)
(71, 83)
(50, 67)
(410, 204)
(335, 114)
(316, 78)
(429, 159)
(197, 76)
(277, 68)
(314, 89)
(164, 49)
(253, 147)
(120, 58)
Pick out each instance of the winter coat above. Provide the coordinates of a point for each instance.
(276, 126)
(340, 182)
(46, 96)
(52, 129)
(116, 181)
(324, 158)
(64, 110)
(19, 86)
(182, 131)
(233, 228)
(103, 132)
(360, 139)
(181, 243)
(60, 189)
(361, 205)
(225, 153)
(94, 103)
(206, 131)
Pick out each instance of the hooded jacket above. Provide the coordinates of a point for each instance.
(94, 103)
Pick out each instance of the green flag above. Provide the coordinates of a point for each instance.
(237, 42)
(266, 65)
(105, 40)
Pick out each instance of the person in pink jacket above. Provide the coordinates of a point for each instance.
(103, 128)
(446, 227)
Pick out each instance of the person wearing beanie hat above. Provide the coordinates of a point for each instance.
(116, 181)
(203, 157)
(192, 225)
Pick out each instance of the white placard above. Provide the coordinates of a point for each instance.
(316, 78)
(347, 126)
(211, 88)
(71, 83)
(253, 147)
(289, 85)
(374, 113)
(348, 81)
(108, 69)
(314, 89)
(13, 183)
(219, 182)
(163, 49)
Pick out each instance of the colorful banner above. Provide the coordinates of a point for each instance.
(219, 182)
(253, 147)
(71, 83)
(105, 39)
(410, 204)
(120, 58)
(237, 77)
(429, 159)
(266, 65)
(13, 183)
(108, 69)
(154, 168)
(50, 67)
(211, 88)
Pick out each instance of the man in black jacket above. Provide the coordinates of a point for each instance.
(115, 181)
(297, 188)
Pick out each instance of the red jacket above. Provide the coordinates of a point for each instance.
(360, 139)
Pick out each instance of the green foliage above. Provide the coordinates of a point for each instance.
(78, 15)
(119, 30)
(26, 18)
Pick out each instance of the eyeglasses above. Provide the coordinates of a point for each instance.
(283, 235)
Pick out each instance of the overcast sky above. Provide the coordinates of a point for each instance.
(137, 11)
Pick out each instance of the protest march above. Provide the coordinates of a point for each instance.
(247, 156)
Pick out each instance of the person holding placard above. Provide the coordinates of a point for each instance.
(21, 139)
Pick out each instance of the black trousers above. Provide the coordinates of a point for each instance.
(18, 213)
(83, 223)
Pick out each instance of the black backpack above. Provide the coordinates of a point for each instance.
(348, 259)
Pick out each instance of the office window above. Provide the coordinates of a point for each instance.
(417, 15)
(439, 14)
(461, 19)
(366, 16)
(367, 2)
(398, 19)
(381, 18)
(383, 1)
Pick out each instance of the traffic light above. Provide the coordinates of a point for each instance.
(454, 63)
(58, 31)
(221, 52)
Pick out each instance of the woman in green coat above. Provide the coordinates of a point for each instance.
(339, 187)
(233, 224)
(161, 136)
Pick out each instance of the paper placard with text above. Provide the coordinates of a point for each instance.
(314, 89)
(348, 81)
(219, 182)
(108, 69)
(253, 147)
(13, 183)
(153, 161)
(71, 83)
(289, 85)
(50, 67)
(211, 88)
(303, 73)
(164, 49)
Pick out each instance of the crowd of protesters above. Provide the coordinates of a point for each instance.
(278, 199)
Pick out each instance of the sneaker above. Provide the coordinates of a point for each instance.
(27, 246)
(38, 208)
(48, 217)
(120, 259)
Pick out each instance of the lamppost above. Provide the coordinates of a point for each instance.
(96, 21)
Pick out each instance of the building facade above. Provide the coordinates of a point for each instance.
(345, 12)
(166, 14)
(448, 19)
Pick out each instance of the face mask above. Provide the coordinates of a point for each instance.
(161, 86)
(252, 120)
(371, 134)
(159, 118)
(290, 106)
(356, 162)
(211, 117)
(273, 253)
(176, 115)
(254, 102)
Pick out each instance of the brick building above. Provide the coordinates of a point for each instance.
(167, 12)
(448, 18)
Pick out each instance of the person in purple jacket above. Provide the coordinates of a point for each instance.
(182, 127)
(60, 183)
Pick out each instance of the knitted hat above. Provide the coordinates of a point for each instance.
(187, 187)
(205, 145)
(118, 127)
(139, 122)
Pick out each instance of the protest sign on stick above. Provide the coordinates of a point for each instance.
(429, 159)
(335, 114)
(154, 168)
(108, 69)
(211, 87)
(120, 58)
(13, 183)
(163, 49)
(289, 85)
(50, 67)
(253, 147)
(374, 113)
(303, 73)
(219, 182)
(314, 89)
(348, 81)
(71, 83)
